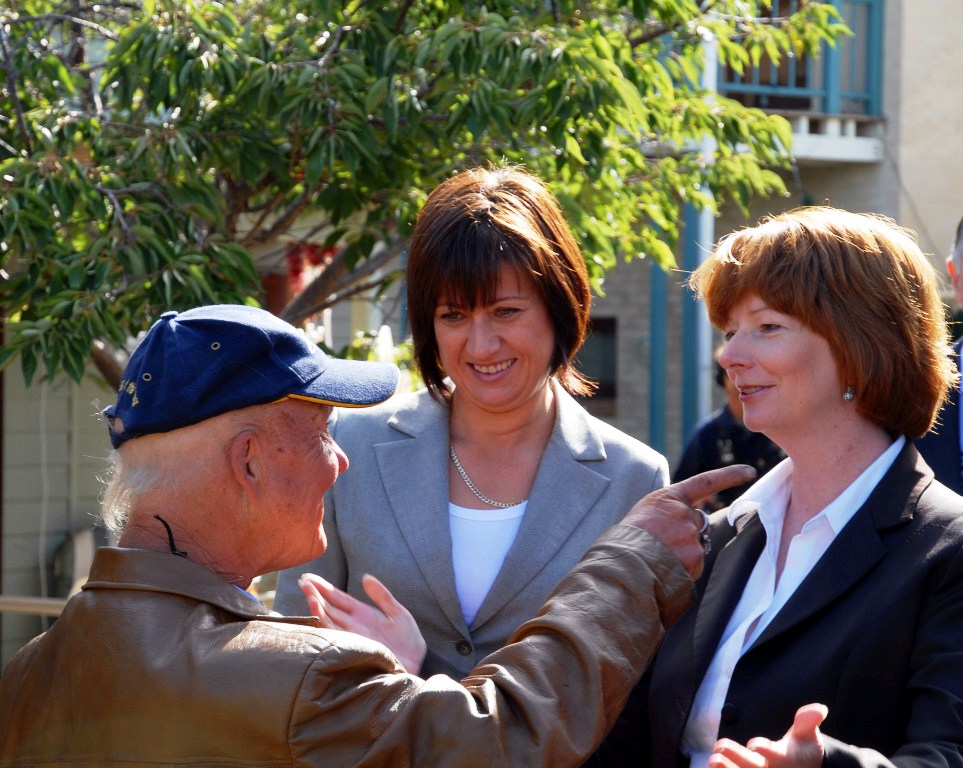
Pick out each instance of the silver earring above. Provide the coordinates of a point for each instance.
(849, 395)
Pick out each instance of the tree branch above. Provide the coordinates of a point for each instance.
(14, 94)
(334, 281)
(76, 20)
(110, 367)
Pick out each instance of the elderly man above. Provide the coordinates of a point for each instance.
(222, 460)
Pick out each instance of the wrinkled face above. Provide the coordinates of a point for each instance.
(303, 461)
(498, 355)
(788, 381)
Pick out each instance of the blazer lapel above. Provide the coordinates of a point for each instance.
(689, 644)
(565, 490)
(415, 477)
(858, 547)
(723, 589)
(854, 551)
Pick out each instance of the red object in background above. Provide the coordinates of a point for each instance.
(277, 292)
(280, 288)
(301, 254)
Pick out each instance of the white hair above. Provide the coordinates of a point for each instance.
(123, 485)
(177, 463)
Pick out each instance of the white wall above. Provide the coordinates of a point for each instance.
(53, 449)
(925, 109)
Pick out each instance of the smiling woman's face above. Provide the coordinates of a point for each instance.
(787, 377)
(498, 354)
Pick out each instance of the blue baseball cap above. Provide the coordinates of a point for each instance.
(191, 366)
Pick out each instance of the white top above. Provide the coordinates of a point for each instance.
(762, 597)
(480, 540)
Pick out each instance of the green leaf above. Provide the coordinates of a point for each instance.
(28, 363)
(573, 149)
(376, 95)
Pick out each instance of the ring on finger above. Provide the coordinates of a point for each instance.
(705, 532)
(705, 521)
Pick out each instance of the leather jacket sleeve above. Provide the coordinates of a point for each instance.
(545, 699)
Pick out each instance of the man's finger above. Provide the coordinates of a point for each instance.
(697, 487)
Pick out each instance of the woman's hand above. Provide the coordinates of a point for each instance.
(388, 621)
(801, 747)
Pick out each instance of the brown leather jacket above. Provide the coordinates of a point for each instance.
(158, 661)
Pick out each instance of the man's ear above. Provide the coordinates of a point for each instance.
(951, 269)
(247, 462)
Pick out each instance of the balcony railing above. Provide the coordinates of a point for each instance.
(39, 606)
(846, 79)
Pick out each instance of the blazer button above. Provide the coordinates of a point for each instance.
(463, 647)
(729, 714)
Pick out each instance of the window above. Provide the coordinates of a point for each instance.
(597, 360)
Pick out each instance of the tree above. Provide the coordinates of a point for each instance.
(153, 153)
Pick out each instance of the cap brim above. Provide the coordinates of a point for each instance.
(351, 383)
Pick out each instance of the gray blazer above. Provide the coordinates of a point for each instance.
(388, 516)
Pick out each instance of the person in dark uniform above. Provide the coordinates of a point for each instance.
(722, 439)
(942, 446)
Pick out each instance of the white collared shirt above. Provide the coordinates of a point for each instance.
(762, 598)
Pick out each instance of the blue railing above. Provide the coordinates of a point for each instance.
(846, 79)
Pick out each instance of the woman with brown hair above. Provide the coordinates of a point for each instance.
(470, 500)
(835, 583)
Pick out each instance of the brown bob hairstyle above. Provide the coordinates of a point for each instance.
(861, 282)
(471, 226)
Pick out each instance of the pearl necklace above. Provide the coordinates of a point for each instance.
(471, 486)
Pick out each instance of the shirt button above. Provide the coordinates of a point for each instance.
(729, 714)
(463, 647)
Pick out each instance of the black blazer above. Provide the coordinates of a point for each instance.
(875, 631)
(941, 445)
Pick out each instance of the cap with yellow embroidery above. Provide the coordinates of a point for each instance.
(191, 366)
